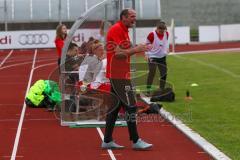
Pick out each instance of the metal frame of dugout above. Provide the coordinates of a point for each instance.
(111, 10)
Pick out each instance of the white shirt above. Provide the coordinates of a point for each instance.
(160, 47)
(101, 76)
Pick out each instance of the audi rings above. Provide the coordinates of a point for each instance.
(31, 39)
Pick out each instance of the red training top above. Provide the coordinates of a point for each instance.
(59, 43)
(118, 36)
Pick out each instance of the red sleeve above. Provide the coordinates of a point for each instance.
(150, 37)
(59, 43)
(167, 34)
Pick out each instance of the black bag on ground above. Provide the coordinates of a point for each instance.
(29, 103)
(166, 95)
(46, 103)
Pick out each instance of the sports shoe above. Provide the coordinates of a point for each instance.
(141, 145)
(111, 145)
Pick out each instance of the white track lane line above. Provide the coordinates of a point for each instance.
(44, 65)
(20, 60)
(109, 150)
(4, 60)
(16, 142)
(20, 64)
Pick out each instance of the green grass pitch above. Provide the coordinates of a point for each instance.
(214, 111)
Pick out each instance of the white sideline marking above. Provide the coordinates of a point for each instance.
(4, 60)
(217, 68)
(16, 142)
(211, 65)
(207, 51)
(194, 136)
(109, 150)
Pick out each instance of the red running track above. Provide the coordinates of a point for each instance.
(42, 137)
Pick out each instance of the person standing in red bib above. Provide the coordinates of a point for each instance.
(157, 55)
(61, 34)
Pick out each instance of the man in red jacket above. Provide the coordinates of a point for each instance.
(118, 71)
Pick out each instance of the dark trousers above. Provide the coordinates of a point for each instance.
(59, 63)
(122, 89)
(153, 63)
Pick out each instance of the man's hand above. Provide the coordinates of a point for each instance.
(145, 57)
(120, 53)
(123, 53)
(142, 48)
(150, 46)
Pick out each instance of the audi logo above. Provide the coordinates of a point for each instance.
(30, 39)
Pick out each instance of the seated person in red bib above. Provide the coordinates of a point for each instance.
(92, 69)
(92, 80)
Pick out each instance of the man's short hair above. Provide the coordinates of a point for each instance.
(161, 25)
(124, 13)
